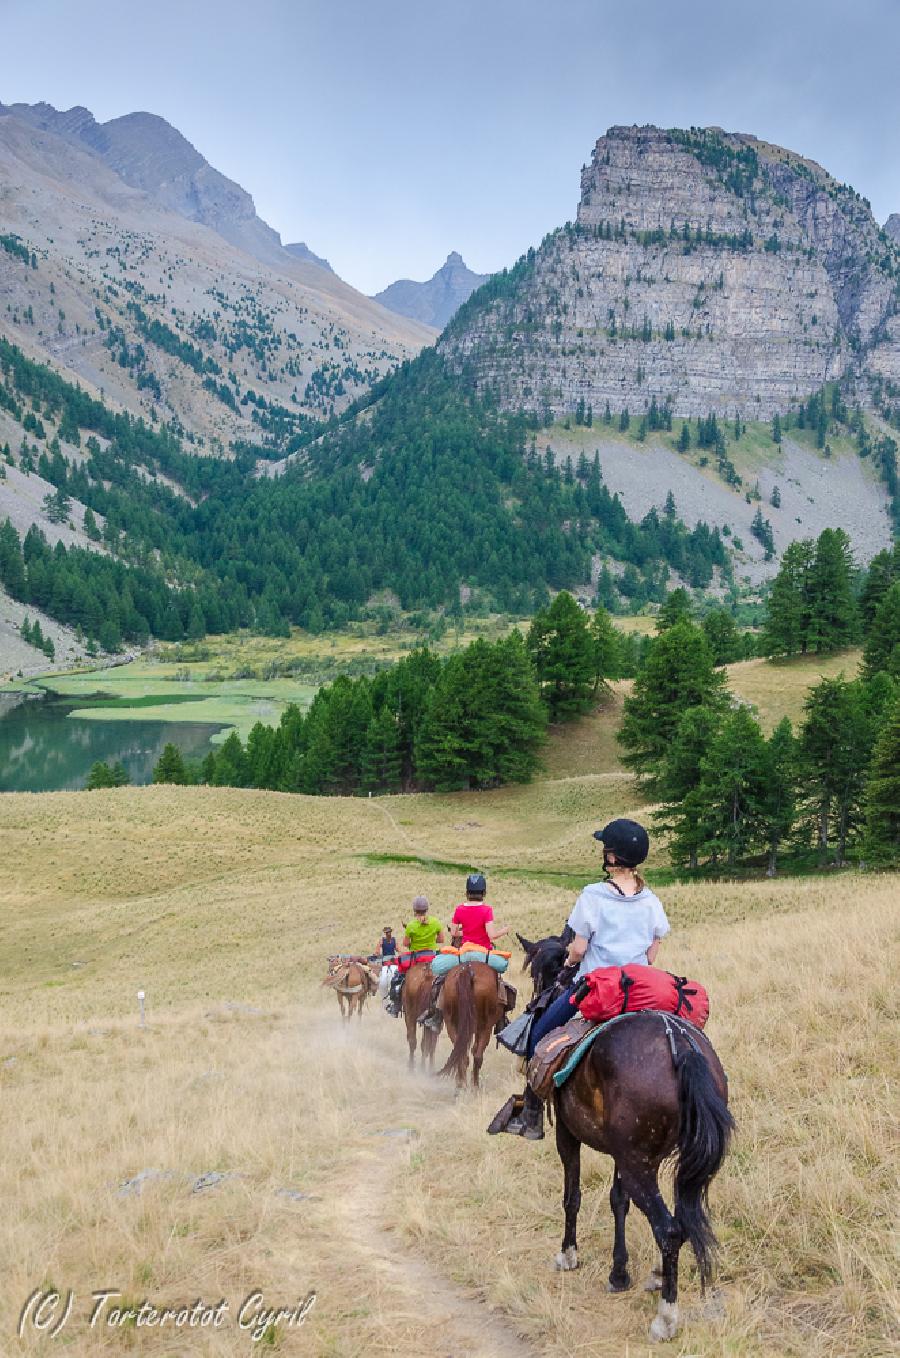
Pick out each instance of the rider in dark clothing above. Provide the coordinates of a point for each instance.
(387, 944)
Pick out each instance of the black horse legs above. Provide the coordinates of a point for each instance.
(569, 1148)
(642, 1186)
(619, 1201)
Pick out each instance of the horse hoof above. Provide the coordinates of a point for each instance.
(665, 1323)
(619, 1284)
(567, 1260)
(654, 1282)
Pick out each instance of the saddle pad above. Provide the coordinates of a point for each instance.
(552, 1051)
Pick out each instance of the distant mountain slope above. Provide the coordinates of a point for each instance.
(436, 301)
(302, 251)
(708, 270)
(158, 292)
(892, 226)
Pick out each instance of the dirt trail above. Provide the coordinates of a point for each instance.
(457, 1322)
(404, 1282)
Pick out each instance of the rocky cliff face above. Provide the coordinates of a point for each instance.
(151, 155)
(892, 226)
(301, 250)
(436, 301)
(708, 269)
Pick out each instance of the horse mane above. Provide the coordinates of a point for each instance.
(547, 961)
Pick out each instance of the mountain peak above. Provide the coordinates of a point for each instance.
(437, 300)
(892, 226)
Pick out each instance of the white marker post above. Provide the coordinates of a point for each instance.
(141, 1007)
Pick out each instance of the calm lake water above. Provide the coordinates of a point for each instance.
(43, 749)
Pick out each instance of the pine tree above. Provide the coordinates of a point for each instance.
(882, 807)
(778, 802)
(733, 783)
(677, 608)
(723, 636)
(835, 746)
(606, 649)
(789, 608)
(684, 438)
(100, 776)
(382, 759)
(776, 428)
(678, 783)
(170, 766)
(835, 619)
(562, 650)
(678, 673)
(882, 650)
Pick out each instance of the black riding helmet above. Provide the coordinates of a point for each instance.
(476, 884)
(627, 840)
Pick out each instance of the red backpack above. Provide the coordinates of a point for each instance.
(621, 990)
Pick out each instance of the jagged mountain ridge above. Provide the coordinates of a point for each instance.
(135, 297)
(437, 300)
(302, 251)
(151, 155)
(707, 269)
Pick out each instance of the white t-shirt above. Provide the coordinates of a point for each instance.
(619, 929)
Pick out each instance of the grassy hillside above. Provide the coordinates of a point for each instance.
(343, 1171)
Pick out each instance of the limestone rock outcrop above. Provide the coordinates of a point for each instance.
(709, 270)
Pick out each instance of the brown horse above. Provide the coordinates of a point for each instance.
(415, 996)
(471, 1005)
(352, 982)
(650, 1087)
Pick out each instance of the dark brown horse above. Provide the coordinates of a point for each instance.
(416, 994)
(471, 1005)
(650, 1087)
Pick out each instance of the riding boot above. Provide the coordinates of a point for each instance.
(393, 1003)
(533, 1116)
(433, 1019)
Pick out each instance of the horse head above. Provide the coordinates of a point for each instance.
(545, 961)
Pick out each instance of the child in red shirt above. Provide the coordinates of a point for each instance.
(473, 921)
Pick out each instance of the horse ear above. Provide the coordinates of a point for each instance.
(528, 948)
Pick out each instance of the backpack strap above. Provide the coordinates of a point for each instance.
(625, 984)
(681, 983)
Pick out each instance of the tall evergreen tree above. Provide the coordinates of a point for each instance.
(170, 766)
(723, 636)
(882, 808)
(678, 673)
(676, 608)
(835, 621)
(730, 797)
(606, 649)
(835, 746)
(778, 799)
(563, 652)
(882, 650)
(789, 609)
(679, 779)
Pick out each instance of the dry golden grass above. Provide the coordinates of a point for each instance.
(778, 688)
(222, 904)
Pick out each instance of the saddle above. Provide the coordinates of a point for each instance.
(337, 979)
(551, 1053)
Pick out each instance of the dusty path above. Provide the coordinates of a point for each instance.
(456, 1321)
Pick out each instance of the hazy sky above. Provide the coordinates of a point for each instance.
(386, 133)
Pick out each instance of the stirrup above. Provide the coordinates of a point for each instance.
(508, 1118)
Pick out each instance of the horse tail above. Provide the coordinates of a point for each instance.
(703, 1136)
(466, 1020)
